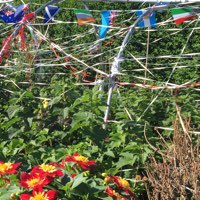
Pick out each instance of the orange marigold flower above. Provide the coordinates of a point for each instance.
(48, 170)
(34, 179)
(8, 168)
(82, 161)
(39, 194)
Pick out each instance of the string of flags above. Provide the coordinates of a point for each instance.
(180, 15)
(107, 16)
(23, 16)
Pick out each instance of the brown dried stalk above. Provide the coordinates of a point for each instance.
(178, 175)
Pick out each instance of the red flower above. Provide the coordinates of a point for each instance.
(121, 184)
(39, 194)
(73, 175)
(8, 168)
(110, 192)
(48, 170)
(113, 193)
(34, 179)
(82, 161)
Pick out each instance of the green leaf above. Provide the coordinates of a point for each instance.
(66, 113)
(127, 159)
(107, 198)
(12, 110)
(78, 180)
(7, 191)
(110, 153)
(30, 121)
(55, 100)
(11, 122)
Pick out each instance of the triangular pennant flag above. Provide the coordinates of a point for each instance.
(19, 13)
(50, 12)
(84, 16)
(182, 14)
(107, 19)
(148, 20)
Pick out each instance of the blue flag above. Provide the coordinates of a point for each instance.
(13, 17)
(19, 13)
(148, 20)
(7, 17)
(107, 19)
(50, 12)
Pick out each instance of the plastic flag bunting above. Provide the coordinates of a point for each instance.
(21, 10)
(105, 15)
(13, 17)
(182, 14)
(7, 16)
(50, 12)
(84, 17)
(6, 50)
(148, 20)
(107, 18)
(162, 5)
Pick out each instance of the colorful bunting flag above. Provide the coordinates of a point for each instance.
(182, 14)
(13, 17)
(105, 15)
(107, 19)
(50, 13)
(84, 17)
(162, 6)
(7, 16)
(148, 20)
(21, 10)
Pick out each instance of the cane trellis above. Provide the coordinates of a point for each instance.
(70, 56)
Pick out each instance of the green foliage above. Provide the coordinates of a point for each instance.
(44, 123)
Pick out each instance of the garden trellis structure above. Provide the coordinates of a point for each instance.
(115, 67)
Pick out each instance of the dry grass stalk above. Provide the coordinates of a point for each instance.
(178, 175)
